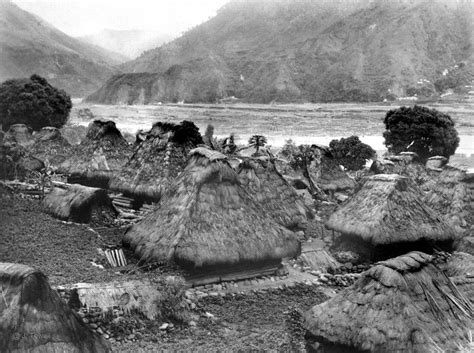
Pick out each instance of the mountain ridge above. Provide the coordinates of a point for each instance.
(303, 51)
(29, 45)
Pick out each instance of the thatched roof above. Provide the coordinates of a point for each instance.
(274, 193)
(327, 173)
(208, 219)
(78, 203)
(33, 318)
(101, 154)
(447, 193)
(18, 134)
(50, 145)
(405, 304)
(156, 162)
(388, 208)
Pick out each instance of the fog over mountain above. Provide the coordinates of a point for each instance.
(29, 45)
(129, 43)
(304, 50)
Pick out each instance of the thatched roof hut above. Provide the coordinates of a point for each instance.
(327, 173)
(274, 193)
(156, 162)
(50, 145)
(101, 154)
(207, 221)
(388, 209)
(405, 304)
(448, 192)
(18, 134)
(33, 318)
(80, 204)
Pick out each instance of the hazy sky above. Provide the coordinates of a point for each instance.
(80, 17)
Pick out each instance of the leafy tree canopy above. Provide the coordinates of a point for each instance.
(418, 129)
(33, 102)
(351, 152)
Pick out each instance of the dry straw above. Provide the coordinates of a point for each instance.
(208, 219)
(102, 153)
(273, 193)
(33, 318)
(405, 304)
(389, 208)
(155, 163)
(76, 202)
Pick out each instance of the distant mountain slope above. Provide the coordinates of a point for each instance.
(130, 43)
(29, 45)
(303, 50)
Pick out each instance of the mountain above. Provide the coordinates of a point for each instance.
(130, 43)
(305, 50)
(29, 45)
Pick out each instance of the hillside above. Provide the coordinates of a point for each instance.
(129, 43)
(321, 51)
(29, 45)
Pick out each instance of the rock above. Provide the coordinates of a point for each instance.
(209, 315)
(131, 336)
(213, 294)
(93, 325)
(164, 326)
(106, 336)
(192, 323)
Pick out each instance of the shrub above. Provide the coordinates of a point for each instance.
(427, 132)
(33, 102)
(351, 152)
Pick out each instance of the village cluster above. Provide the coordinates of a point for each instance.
(390, 246)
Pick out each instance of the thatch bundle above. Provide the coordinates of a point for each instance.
(79, 203)
(405, 304)
(207, 219)
(327, 173)
(273, 193)
(33, 318)
(387, 209)
(156, 162)
(100, 155)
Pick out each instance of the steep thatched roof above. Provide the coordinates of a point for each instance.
(208, 219)
(101, 154)
(447, 193)
(388, 208)
(327, 173)
(77, 203)
(50, 145)
(405, 304)
(156, 162)
(273, 193)
(18, 134)
(33, 318)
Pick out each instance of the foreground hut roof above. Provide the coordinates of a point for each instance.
(80, 204)
(156, 162)
(405, 304)
(208, 220)
(102, 153)
(273, 193)
(33, 318)
(388, 208)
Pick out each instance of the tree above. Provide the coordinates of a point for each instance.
(300, 158)
(427, 132)
(187, 133)
(33, 102)
(351, 152)
(257, 141)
